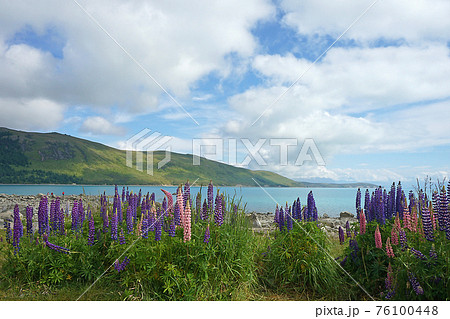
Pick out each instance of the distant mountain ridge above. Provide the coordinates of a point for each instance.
(54, 158)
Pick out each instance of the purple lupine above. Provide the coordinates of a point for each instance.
(379, 210)
(366, 203)
(392, 204)
(172, 227)
(127, 196)
(427, 224)
(120, 266)
(276, 218)
(121, 238)
(294, 209)
(443, 218)
(129, 220)
(81, 216)
(52, 223)
(343, 261)
(152, 219)
(415, 284)
(281, 219)
(123, 194)
(218, 215)
(418, 254)
(152, 197)
(91, 235)
(399, 201)
(29, 220)
(7, 225)
(145, 227)
(75, 216)
(57, 214)
(53, 246)
(311, 208)
(186, 193)
(207, 235)
(204, 215)
(198, 205)
(433, 253)
(289, 220)
(210, 197)
(389, 283)
(298, 207)
(117, 208)
(139, 197)
(158, 226)
(403, 240)
(353, 244)
(43, 215)
(358, 202)
(105, 219)
(17, 229)
(114, 224)
(341, 235)
(347, 229)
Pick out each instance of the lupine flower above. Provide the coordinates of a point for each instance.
(187, 223)
(152, 218)
(354, 245)
(172, 229)
(29, 220)
(210, 197)
(7, 225)
(186, 193)
(114, 224)
(444, 213)
(347, 230)
(341, 235)
(289, 220)
(414, 221)
(218, 215)
(158, 227)
(18, 229)
(105, 219)
(177, 215)
(281, 219)
(43, 215)
(433, 253)
(52, 224)
(80, 214)
(129, 220)
(406, 218)
(120, 266)
(53, 246)
(362, 223)
(397, 223)
(169, 201)
(145, 227)
(180, 204)
(122, 238)
(389, 283)
(399, 208)
(403, 240)
(427, 224)
(207, 235)
(378, 242)
(358, 202)
(342, 263)
(415, 284)
(276, 218)
(311, 208)
(198, 206)
(389, 250)
(418, 254)
(91, 229)
(394, 236)
(204, 215)
(75, 216)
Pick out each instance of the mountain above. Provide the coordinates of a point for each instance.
(33, 158)
(54, 158)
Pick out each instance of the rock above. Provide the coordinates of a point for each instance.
(40, 195)
(326, 216)
(346, 215)
(254, 221)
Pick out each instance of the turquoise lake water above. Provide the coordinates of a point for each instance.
(331, 201)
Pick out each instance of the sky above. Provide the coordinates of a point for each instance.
(314, 90)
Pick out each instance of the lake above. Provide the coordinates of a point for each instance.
(329, 201)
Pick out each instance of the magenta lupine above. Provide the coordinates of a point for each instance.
(91, 235)
(341, 235)
(362, 223)
(53, 246)
(427, 224)
(406, 218)
(415, 284)
(17, 230)
(394, 236)
(29, 220)
(207, 235)
(169, 201)
(378, 242)
(187, 223)
(389, 250)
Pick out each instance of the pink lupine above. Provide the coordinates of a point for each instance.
(389, 250)
(362, 223)
(378, 242)
(180, 205)
(187, 222)
(414, 222)
(394, 236)
(407, 219)
(397, 223)
(169, 202)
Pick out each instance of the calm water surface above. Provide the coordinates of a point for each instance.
(331, 201)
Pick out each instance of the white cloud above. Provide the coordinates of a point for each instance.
(31, 114)
(412, 20)
(97, 125)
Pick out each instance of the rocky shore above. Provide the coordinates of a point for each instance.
(260, 222)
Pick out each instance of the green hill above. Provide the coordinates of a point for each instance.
(62, 159)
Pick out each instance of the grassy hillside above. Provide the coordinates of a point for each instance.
(57, 158)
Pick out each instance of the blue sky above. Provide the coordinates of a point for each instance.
(376, 104)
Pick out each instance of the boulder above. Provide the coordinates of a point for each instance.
(346, 215)
(325, 216)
